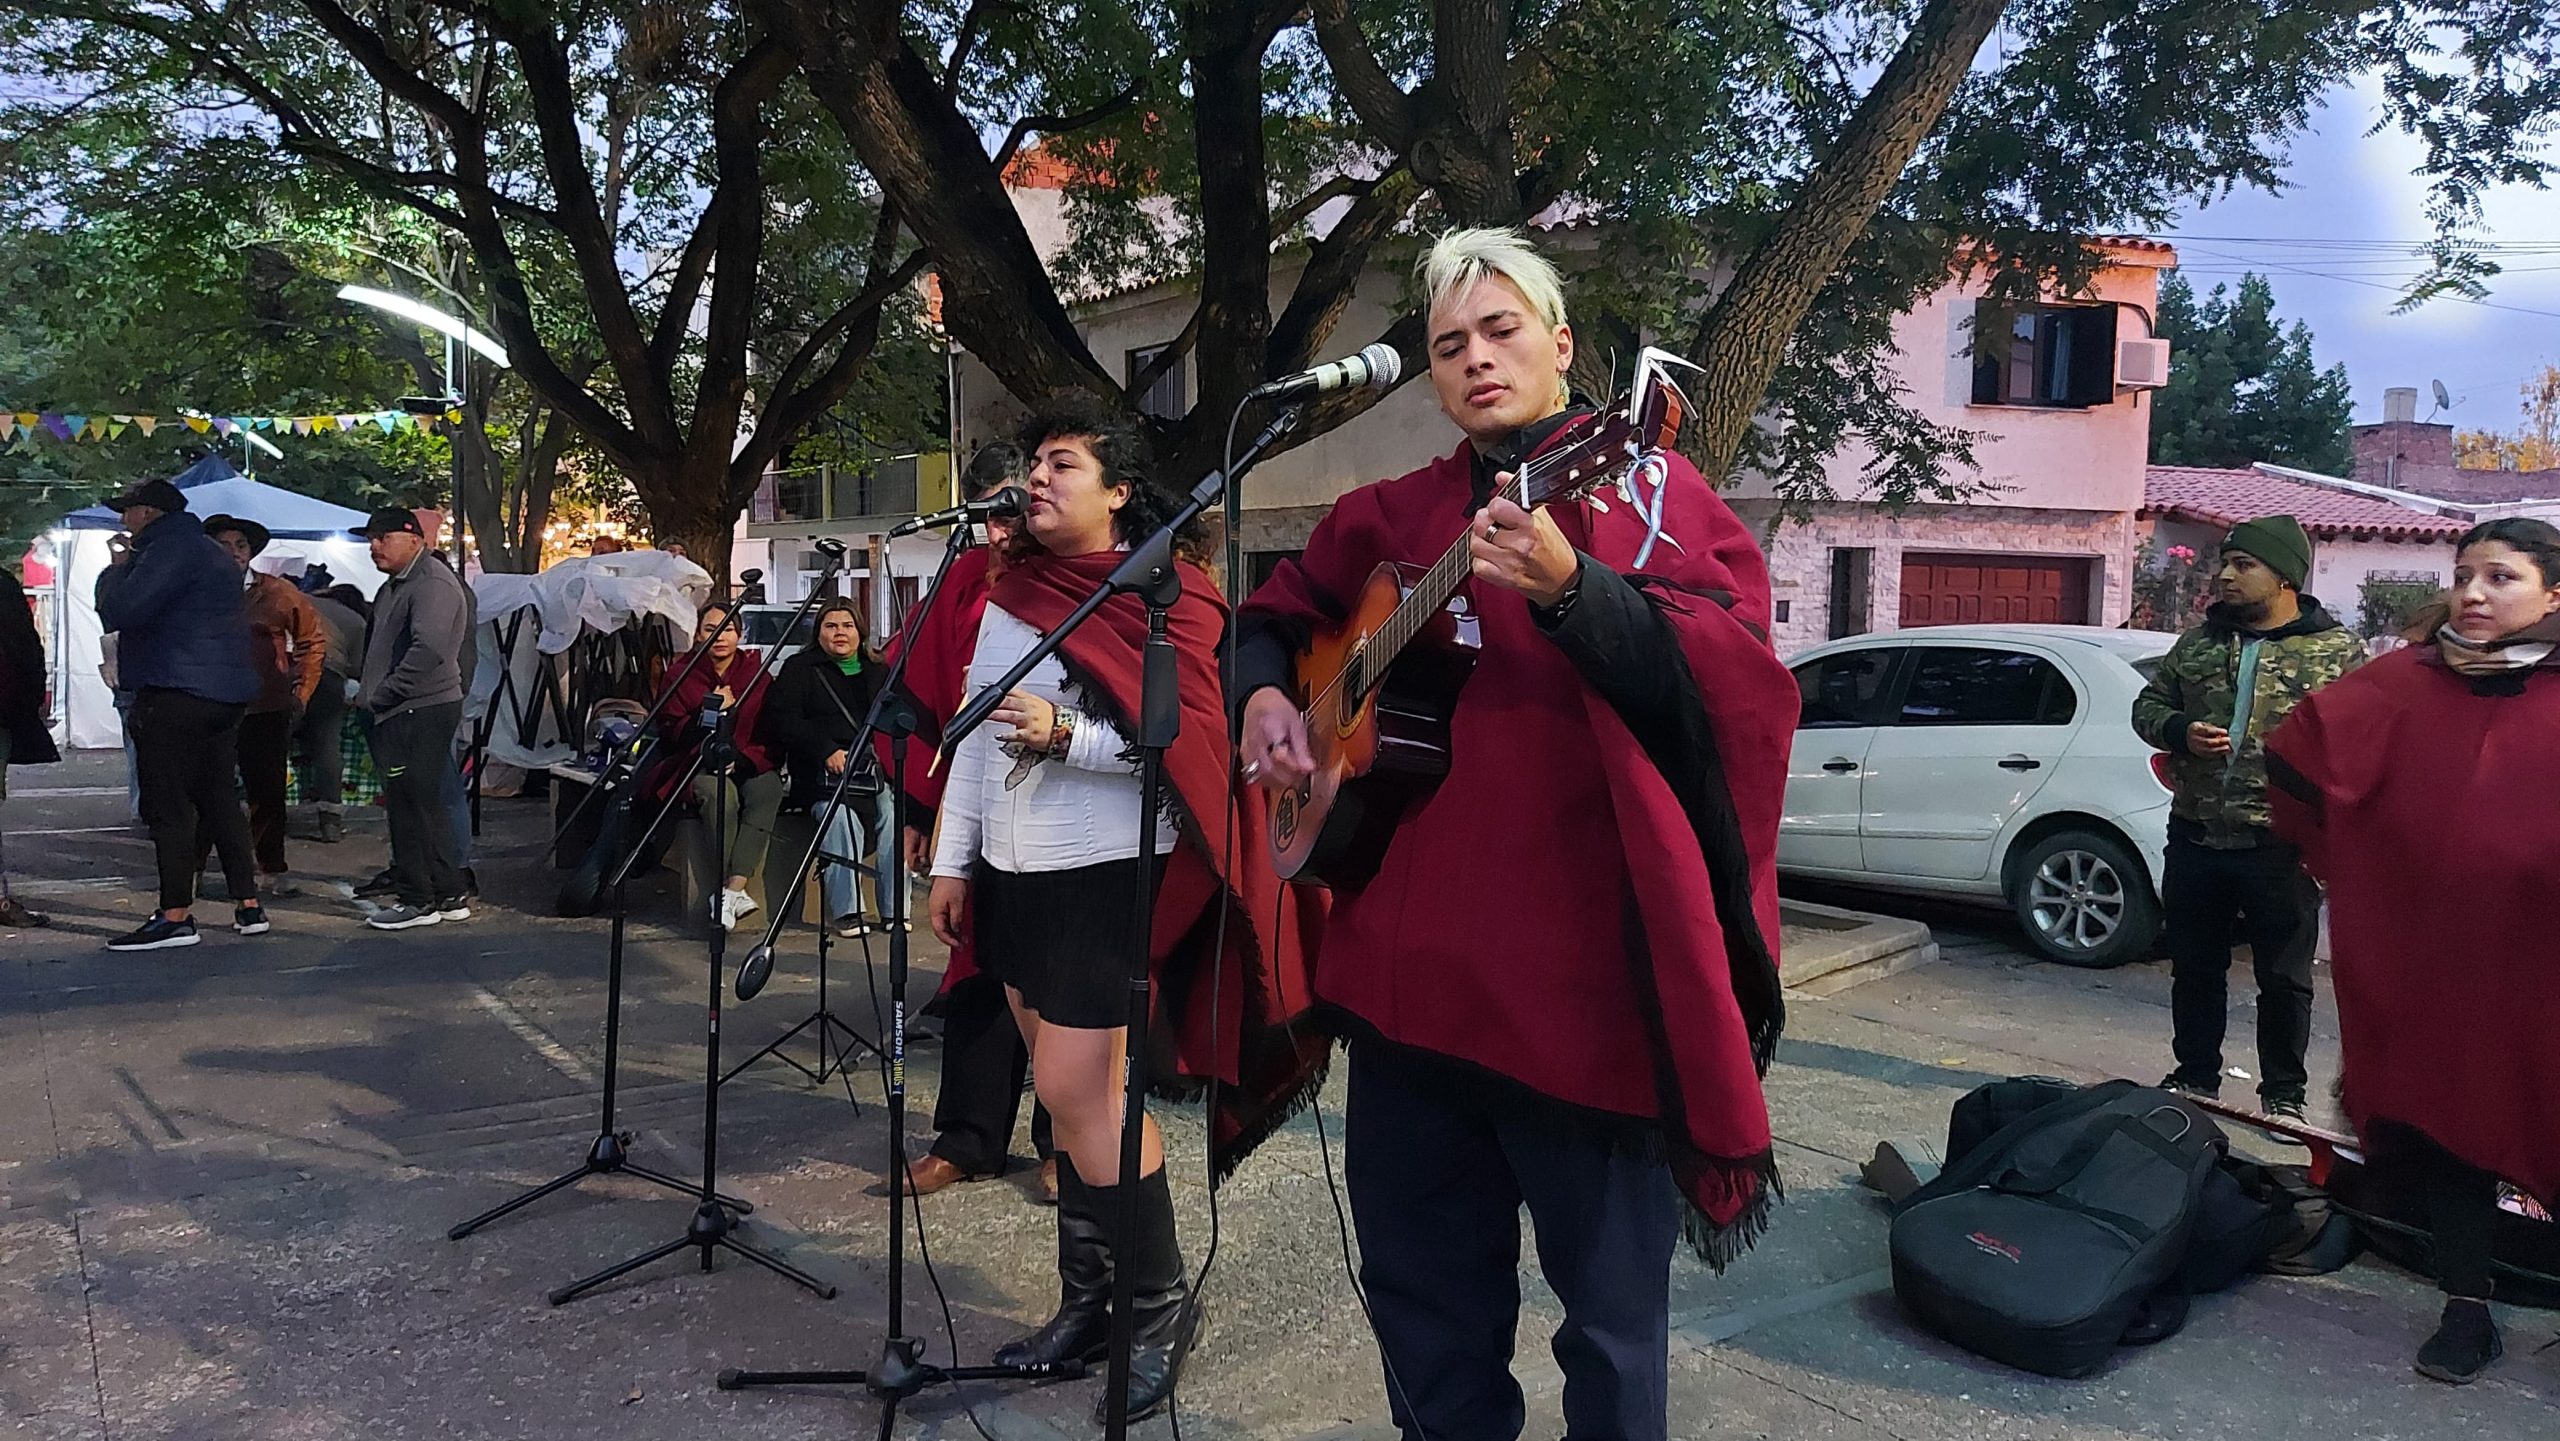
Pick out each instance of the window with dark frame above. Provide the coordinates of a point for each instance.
(1971, 686)
(2050, 355)
(1170, 397)
(1852, 591)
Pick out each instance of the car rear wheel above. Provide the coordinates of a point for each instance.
(2085, 900)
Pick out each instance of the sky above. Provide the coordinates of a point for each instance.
(2334, 248)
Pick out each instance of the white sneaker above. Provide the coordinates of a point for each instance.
(731, 907)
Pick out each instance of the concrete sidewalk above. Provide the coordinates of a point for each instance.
(226, 1177)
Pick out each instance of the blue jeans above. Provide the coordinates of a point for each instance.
(839, 885)
(456, 798)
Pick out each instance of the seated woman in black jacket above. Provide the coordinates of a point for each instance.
(817, 705)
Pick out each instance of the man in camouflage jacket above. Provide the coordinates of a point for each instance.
(2220, 690)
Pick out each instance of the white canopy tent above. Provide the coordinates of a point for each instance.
(306, 532)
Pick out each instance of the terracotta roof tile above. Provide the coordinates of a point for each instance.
(2228, 497)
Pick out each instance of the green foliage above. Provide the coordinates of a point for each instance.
(2243, 387)
(2387, 607)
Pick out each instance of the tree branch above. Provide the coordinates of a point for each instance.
(1029, 125)
(734, 221)
(1375, 97)
(795, 412)
(1333, 270)
(1338, 188)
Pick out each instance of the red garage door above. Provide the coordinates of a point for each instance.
(1993, 590)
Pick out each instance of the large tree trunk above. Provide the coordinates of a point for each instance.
(1743, 339)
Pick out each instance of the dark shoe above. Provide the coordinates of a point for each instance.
(470, 883)
(14, 913)
(2464, 1344)
(1048, 1192)
(1081, 1330)
(1164, 1315)
(2179, 1084)
(157, 934)
(401, 918)
(381, 885)
(331, 831)
(249, 920)
(928, 1176)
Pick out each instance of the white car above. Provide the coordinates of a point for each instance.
(1992, 762)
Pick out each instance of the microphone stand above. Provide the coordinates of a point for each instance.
(901, 1370)
(1147, 572)
(712, 1226)
(610, 1152)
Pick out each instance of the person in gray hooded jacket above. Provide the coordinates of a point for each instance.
(410, 694)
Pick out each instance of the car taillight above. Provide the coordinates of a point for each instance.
(2160, 770)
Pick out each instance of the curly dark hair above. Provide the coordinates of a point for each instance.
(2538, 539)
(1128, 462)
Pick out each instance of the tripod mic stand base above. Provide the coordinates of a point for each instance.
(835, 1055)
(708, 1232)
(900, 1373)
(609, 1154)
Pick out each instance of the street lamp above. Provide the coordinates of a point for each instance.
(457, 377)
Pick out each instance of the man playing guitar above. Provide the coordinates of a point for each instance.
(1559, 986)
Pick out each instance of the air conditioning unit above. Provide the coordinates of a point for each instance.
(2142, 364)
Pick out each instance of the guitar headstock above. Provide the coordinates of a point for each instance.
(1646, 421)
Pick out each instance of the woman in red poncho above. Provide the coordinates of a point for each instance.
(1038, 862)
(1559, 986)
(746, 794)
(2424, 789)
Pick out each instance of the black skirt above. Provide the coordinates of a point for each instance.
(1064, 939)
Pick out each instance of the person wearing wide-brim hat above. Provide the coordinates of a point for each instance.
(2263, 646)
(287, 646)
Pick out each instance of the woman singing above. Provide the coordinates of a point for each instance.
(1038, 862)
(818, 705)
(2424, 788)
(747, 792)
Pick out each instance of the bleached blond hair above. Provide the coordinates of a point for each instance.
(1460, 258)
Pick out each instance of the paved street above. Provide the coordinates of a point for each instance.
(225, 1176)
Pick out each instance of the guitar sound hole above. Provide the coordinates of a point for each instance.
(1355, 680)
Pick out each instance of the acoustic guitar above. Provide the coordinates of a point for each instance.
(1378, 690)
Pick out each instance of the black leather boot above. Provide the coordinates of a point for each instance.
(1165, 1313)
(1082, 1328)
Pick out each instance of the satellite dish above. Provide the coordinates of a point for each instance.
(2443, 400)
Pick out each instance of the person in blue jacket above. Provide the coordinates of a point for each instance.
(172, 597)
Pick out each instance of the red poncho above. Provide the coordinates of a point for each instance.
(1234, 1016)
(680, 719)
(2430, 805)
(1553, 913)
(936, 679)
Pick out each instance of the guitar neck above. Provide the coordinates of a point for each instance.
(1439, 583)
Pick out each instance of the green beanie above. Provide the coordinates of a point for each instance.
(2279, 542)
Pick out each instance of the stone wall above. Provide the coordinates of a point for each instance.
(1800, 554)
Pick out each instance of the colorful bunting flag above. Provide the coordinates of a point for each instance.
(62, 425)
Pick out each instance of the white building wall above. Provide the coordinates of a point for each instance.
(1800, 557)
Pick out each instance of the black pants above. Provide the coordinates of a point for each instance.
(266, 746)
(2462, 1214)
(414, 750)
(324, 758)
(2261, 895)
(983, 1063)
(186, 756)
(1438, 1174)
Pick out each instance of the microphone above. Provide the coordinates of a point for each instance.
(754, 971)
(829, 546)
(1374, 368)
(1004, 504)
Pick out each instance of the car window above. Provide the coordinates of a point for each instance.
(1844, 689)
(764, 628)
(1968, 686)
